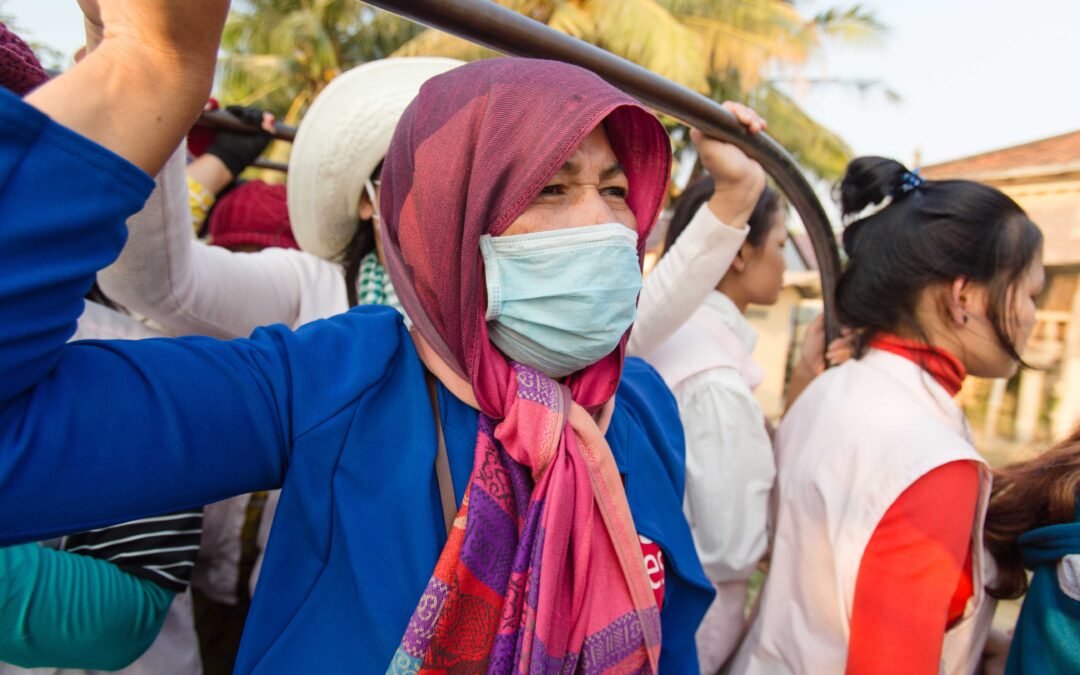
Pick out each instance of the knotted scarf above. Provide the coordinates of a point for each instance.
(542, 571)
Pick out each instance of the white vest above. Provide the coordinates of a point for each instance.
(856, 439)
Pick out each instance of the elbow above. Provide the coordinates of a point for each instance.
(131, 638)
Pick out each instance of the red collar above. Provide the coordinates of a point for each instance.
(945, 368)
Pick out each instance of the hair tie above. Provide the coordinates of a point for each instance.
(908, 182)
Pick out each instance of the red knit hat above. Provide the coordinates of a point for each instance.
(253, 214)
(20, 71)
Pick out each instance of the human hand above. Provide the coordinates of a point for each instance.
(815, 358)
(160, 30)
(238, 150)
(737, 179)
(140, 90)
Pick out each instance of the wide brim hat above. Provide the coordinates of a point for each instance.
(342, 138)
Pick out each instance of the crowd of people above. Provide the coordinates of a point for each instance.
(417, 410)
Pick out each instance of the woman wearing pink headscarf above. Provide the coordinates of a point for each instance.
(495, 489)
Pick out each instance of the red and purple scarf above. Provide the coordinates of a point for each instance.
(543, 570)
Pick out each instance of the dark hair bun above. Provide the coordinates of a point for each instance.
(868, 180)
(930, 232)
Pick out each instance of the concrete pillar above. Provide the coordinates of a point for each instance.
(1029, 404)
(1067, 412)
(993, 407)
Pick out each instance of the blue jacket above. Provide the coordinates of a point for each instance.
(337, 413)
(1047, 636)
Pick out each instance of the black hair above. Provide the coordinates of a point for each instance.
(936, 231)
(95, 294)
(761, 220)
(362, 243)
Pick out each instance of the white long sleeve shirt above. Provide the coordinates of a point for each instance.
(683, 277)
(190, 288)
(730, 466)
(702, 345)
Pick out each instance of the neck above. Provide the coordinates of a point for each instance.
(734, 292)
(937, 361)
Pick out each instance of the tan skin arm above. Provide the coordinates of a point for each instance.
(141, 89)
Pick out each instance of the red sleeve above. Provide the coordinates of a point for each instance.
(910, 571)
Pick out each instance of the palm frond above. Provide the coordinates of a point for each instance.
(815, 146)
(854, 25)
(644, 32)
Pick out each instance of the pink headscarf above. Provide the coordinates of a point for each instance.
(470, 154)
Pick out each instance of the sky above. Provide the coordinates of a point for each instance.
(973, 75)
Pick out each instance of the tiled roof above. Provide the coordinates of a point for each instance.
(1054, 151)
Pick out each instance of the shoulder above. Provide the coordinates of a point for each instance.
(649, 418)
(644, 391)
(334, 362)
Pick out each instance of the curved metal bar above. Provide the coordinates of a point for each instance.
(219, 119)
(506, 31)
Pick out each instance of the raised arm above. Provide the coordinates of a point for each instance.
(191, 288)
(192, 420)
(114, 96)
(703, 252)
(96, 432)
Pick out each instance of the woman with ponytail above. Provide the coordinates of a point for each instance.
(878, 562)
(1032, 524)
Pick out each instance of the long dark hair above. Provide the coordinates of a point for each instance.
(935, 231)
(761, 220)
(362, 243)
(1028, 495)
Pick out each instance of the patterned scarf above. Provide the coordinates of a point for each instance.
(542, 571)
(374, 284)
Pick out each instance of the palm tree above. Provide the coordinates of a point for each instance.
(279, 54)
(737, 49)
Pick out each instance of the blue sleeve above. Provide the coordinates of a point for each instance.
(64, 610)
(98, 432)
(63, 200)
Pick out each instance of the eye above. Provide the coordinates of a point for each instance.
(553, 189)
(616, 191)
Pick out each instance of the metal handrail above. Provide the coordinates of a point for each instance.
(506, 31)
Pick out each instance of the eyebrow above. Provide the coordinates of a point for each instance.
(612, 171)
(573, 168)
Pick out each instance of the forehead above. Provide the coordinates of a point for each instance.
(594, 149)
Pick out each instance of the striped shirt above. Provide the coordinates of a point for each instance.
(161, 549)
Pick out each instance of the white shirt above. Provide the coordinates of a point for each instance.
(857, 438)
(682, 279)
(730, 467)
(729, 464)
(191, 288)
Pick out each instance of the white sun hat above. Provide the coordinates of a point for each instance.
(342, 138)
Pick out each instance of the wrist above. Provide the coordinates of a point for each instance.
(734, 202)
(807, 366)
(184, 74)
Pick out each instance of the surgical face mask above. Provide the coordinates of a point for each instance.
(561, 300)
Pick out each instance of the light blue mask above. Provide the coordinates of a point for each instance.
(561, 300)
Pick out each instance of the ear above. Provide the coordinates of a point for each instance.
(365, 209)
(739, 263)
(958, 300)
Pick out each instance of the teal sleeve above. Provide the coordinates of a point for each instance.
(66, 610)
